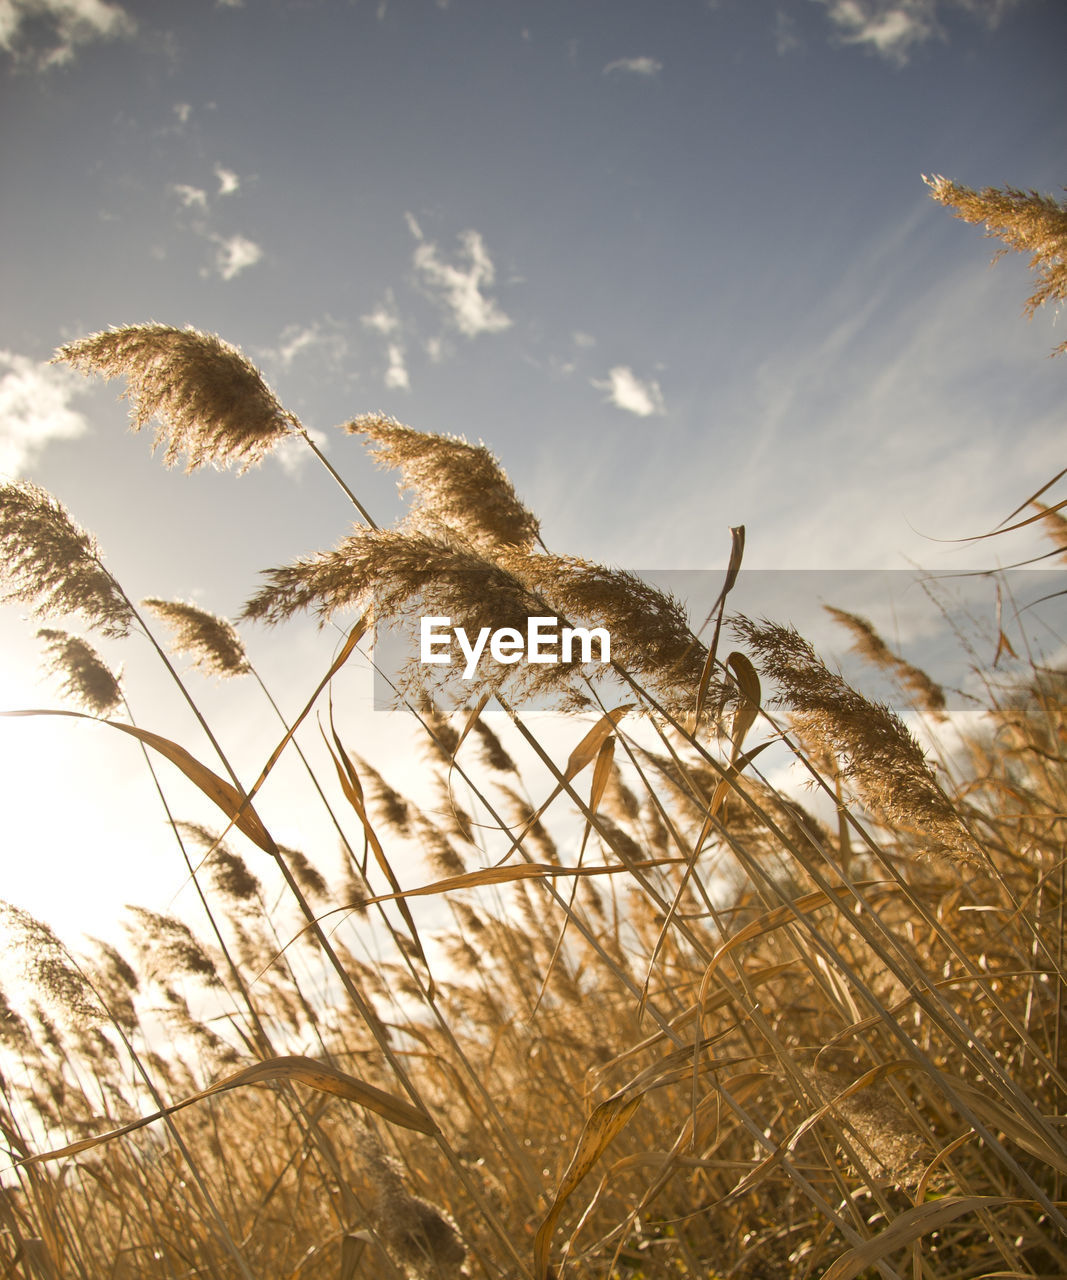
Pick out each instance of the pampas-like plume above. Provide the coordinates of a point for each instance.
(171, 948)
(457, 485)
(880, 757)
(870, 645)
(82, 672)
(393, 570)
(210, 403)
(1024, 220)
(49, 968)
(422, 1237)
(1054, 525)
(48, 561)
(650, 635)
(228, 871)
(214, 641)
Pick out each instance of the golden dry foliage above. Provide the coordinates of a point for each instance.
(46, 560)
(1026, 221)
(620, 1009)
(213, 641)
(460, 489)
(210, 403)
(82, 673)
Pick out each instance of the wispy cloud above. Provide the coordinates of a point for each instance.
(191, 197)
(48, 33)
(786, 38)
(627, 391)
(324, 342)
(229, 182)
(35, 407)
(235, 254)
(643, 66)
(892, 28)
(460, 289)
(396, 375)
(385, 320)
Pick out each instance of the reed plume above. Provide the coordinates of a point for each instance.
(1026, 221)
(879, 755)
(214, 642)
(459, 489)
(49, 968)
(650, 634)
(84, 676)
(929, 695)
(52, 564)
(210, 403)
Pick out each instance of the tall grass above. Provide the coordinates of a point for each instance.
(666, 1023)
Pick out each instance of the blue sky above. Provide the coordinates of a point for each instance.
(674, 263)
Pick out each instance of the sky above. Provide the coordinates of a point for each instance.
(673, 262)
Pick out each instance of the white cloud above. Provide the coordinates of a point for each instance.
(581, 339)
(229, 182)
(627, 391)
(183, 110)
(190, 196)
(49, 32)
(383, 319)
(413, 226)
(235, 254)
(292, 453)
(786, 38)
(643, 66)
(396, 376)
(323, 337)
(459, 289)
(35, 402)
(892, 28)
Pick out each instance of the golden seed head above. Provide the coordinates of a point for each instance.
(210, 403)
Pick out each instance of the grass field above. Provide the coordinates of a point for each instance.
(677, 1022)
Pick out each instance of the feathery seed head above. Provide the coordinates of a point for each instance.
(229, 874)
(171, 948)
(84, 676)
(459, 487)
(880, 756)
(49, 562)
(870, 645)
(210, 403)
(650, 635)
(214, 641)
(49, 968)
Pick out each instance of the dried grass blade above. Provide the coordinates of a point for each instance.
(737, 551)
(606, 1121)
(236, 807)
(589, 747)
(347, 649)
(291, 1068)
(994, 1113)
(780, 916)
(497, 874)
(353, 791)
(910, 1226)
(472, 720)
(749, 707)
